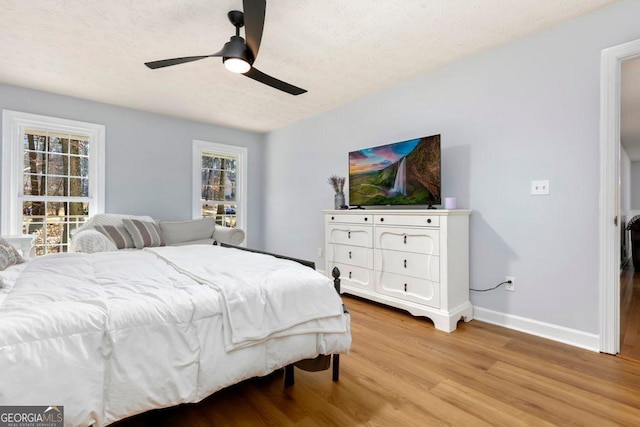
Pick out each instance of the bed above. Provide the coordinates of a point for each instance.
(113, 334)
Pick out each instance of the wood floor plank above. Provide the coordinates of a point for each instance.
(630, 314)
(591, 404)
(403, 372)
(493, 411)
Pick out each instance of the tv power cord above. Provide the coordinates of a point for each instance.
(490, 289)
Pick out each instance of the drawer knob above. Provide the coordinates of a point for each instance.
(348, 234)
(428, 220)
(405, 263)
(381, 219)
(332, 218)
(405, 287)
(349, 254)
(349, 275)
(405, 240)
(366, 219)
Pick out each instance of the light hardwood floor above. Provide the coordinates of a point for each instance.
(630, 314)
(403, 372)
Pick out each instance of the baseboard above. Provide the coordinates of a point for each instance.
(541, 329)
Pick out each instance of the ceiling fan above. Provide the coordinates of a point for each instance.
(237, 55)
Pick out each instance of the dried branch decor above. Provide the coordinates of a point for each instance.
(337, 183)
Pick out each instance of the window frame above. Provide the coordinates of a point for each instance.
(203, 147)
(14, 124)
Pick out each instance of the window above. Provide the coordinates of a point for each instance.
(52, 177)
(219, 177)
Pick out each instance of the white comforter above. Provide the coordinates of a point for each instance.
(112, 334)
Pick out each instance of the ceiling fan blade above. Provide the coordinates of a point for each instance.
(175, 61)
(261, 77)
(254, 23)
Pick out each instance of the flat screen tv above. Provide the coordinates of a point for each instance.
(402, 173)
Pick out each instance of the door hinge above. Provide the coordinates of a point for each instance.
(615, 220)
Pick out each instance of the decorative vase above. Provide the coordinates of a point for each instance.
(338, 200)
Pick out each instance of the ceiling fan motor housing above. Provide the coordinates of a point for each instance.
(237, 48)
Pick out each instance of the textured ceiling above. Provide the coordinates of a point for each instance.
(339, 50)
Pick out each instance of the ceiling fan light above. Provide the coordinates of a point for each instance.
(237, 65)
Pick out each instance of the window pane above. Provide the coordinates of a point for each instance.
(207, 162)
(207, 176)
(57, 164)
(54, 145)
(34, 162)
(208, 210)
(56, 210)
(34, 210)
(56, 186)
(75, 165)
(79, 147)
(34, 142)
(207, 193)
(80, 209)
(54, 249)
(78, 187)
(230, 186)
(33, 185)
(84, 167)
(214, 183)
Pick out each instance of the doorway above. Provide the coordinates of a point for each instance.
(630, 209)
(609, 279)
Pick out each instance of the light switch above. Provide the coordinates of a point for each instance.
(539, 188)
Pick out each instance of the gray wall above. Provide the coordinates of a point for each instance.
(148, 156)
(525, 111)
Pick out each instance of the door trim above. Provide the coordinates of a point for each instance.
(609, 280)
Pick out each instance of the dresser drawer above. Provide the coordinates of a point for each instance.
(408, 264)
(350, 275)
(351, 255)
(349, 219)
(418, 240)
(353, 235)
(408, 220)
(409, 288)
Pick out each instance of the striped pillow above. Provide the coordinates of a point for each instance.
(117, 234)
(144, 233)
(8, 255)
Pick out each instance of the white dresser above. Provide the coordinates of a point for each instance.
(416, 260)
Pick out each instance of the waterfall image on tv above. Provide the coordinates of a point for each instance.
(403, 173)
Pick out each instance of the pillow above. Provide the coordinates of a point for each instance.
(8, 255)
(118, 235)
(185, 231)
(108, 219)
(90, 241)
(144, 233)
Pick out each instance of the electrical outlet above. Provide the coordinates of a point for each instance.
(540, 188)
(319, 252)
(510, 286)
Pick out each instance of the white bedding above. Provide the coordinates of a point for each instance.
(296, 298)
(112, 334)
